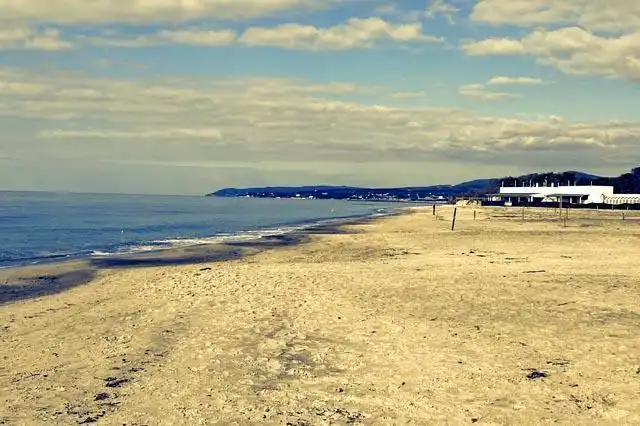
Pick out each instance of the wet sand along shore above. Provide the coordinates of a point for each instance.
(394, 321)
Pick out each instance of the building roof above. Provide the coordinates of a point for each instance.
(568, 194)
(516, 194)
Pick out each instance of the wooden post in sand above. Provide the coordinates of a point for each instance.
(434, 209)
(522, 214)
(474, 215)
(453, 222)
(560, 206)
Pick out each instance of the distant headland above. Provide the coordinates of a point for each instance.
(623, 184)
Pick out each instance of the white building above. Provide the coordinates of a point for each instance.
(572, 194)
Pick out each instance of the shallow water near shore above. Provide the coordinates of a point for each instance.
(396, 320)
(44, 227)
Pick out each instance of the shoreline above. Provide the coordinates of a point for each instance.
(390, 321)
(18, 283)
(187, 242)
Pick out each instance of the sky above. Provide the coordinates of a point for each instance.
(189, 96)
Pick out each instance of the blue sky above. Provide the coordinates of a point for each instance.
(171, 96)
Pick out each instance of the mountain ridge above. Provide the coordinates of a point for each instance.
(625, 183)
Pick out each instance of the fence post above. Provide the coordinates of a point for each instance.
(453, 221)
(434, 209)
(560, 206)
(474, 215)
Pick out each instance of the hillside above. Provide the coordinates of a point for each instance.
(349, 192)
(624, 184)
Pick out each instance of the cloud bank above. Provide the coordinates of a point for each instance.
(271, 120)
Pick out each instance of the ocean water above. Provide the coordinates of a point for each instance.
(38, 227)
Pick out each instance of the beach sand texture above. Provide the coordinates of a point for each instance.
(398, 321)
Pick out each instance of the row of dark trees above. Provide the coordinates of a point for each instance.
(627, 183)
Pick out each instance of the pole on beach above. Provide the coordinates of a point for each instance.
(474, 215)
(453, 221)
(434, 209)
(560, 206)
(523, 214)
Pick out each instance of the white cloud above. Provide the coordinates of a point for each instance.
(387, 9)
(579, 37)
(252, 119)
(83, 124)
(594, 15)
(170, 133)
(147, 11)
(25, 38)
(19, 88)
(572, 50)
(493, 46)
(441, 7)
(501, 80)
(202, 38)
(479, 91)
(355, 33)
(194, 37)
(408, 95)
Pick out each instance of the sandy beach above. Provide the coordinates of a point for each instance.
(394, 321)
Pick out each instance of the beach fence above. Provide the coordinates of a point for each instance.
(563, 215)
(567, 215)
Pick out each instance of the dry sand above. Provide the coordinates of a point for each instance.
(399, 321)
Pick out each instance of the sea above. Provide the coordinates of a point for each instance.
(39, 227)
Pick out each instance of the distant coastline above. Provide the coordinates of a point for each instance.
(624, 184)
(437, 193)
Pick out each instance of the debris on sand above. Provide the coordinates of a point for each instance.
(536, 374)
(101, 396)
(92, 419)
(114, 382)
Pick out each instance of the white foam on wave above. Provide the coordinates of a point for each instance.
(101, 253)
(248, 235)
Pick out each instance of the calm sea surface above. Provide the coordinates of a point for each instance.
(39, 227)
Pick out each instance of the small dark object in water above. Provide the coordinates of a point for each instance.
(113, 382)
(101, 396)
(535, 374)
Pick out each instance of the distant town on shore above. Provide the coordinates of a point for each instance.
(624, 184)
